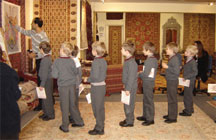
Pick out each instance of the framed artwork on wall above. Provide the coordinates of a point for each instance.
(3, 47)
(11, 36)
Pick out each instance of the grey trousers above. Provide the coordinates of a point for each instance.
(129, 109)
(172, 86)
(67, 97)
(188, 98)
(97, 98)
(148, 100)
(47, 104)
(74, 108)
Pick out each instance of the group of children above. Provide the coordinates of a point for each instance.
(67, 70)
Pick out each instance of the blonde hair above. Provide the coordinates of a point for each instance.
(67, 48)
(99, 47)
(173, 46)
(129, 46)
(192, 49)
(45, 46)
(149, 46)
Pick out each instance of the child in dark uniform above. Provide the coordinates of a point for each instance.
(171, 75)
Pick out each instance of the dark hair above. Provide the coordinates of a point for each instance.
(45, 46)
(75, 51)
(38, 21)
(1, 53)
(199, 47)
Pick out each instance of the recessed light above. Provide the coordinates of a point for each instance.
(211, 3)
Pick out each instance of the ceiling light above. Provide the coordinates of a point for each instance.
(102, 1)
(211, 3)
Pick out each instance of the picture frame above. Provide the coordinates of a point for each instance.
(4, 48)
(11, 35)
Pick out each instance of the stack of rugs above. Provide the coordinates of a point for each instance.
(28, 100)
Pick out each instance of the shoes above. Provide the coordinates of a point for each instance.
(165, 116)
(65, 131)
(77, 125)
(147, 123)
(46, 118)
(124, 124)
(42, 116)
(71, 120)
(96, 132)
(38, 108)
(141, 118)
(170, 121)
(184, 114)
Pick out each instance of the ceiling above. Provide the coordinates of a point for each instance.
(158, 1)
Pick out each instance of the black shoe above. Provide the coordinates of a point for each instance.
(141, 118)
(77, 125)
(147, 123)
(46, 118)
(71, 121)
(38, 108)
(184, 114)
(122, 122)
(96, 132)
(165, 116)
(42, 116)
(170, 121)
(65, 131)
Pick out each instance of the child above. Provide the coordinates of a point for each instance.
(78, 82)
(65, 71)
(45, 74)
(148, 76)
(98, 86)
(171, 75)
(190, 73)
(129, 79)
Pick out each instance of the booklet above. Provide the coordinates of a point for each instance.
(124, 98)
(81, 88)
(151, 75)
(41, 93)
(184, 83)
(211, 88)
(88, 97)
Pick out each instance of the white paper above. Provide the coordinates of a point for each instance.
(20, 88)
(211, 88)
(184, 83)
(88, 97)
(143, 68)
(41, 93)
(81, 88)
(77, 62)
(124, 98)
(151, 75)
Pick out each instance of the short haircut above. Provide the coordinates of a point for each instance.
(149, 46)
(38, 21)
(75, 51)
(99, 47)
(129, 46)
(45, 46)
(192, 49)
(67, 48)
(173, 46)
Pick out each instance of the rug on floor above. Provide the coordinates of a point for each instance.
(197, 127)
(212, 103)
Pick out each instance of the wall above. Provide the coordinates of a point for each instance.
(164, 18)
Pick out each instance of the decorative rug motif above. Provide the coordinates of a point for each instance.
(197, 127)
(143, 27)
(115, 43)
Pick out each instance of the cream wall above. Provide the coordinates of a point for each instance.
(164, 18)
(103, 28)
(28, 17)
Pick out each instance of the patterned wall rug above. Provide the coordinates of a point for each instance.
(197, 127)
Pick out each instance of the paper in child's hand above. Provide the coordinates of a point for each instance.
(183, 82)
(88, 97)
(41, 93)
(125, 98)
